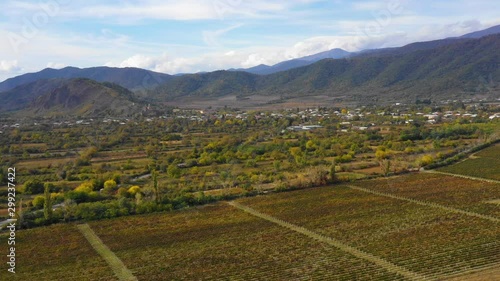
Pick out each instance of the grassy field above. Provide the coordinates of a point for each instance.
(485, 164)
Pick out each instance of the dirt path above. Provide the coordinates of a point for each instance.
(425, 203)
(461, 176)
(120, 270)
(337, 244)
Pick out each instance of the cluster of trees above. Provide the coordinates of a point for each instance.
(185, 158)
(446, 131)
(128, 203)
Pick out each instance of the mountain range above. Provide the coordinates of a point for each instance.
(135, 79)
(339, 53)
(451, 68)
(294, 63)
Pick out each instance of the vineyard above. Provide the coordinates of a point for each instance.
(465, 194)
(370, 230)
(220, 242)
(485, 164)
(491, 152)
(425, 240)
(57, 252)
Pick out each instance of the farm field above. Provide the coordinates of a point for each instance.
(485, 164)
(461, 193)
(56, 252)
(426, 240)
(219, 242)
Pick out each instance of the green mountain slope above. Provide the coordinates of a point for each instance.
(448, 72)
(135, 79)
(70, 97)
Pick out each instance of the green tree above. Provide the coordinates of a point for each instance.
(277, 165)
(134, 190)
(385, 165)
(156, 189)
(47, 206)
(110, 184)
(85, 187)
(109, 187)
(310, 145)
(173, 171)
(333, 175)
(33, 187)
(425, 160)
(38, 202)
(122, 192)
(69, 209)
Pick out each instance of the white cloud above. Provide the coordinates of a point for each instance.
(133, 10)
(437, 31)
(56, 65)
(140, 61)
(176, 10)
(253, 60)
(314, 45)
(352, 43)
(161, 63)
(9, 66)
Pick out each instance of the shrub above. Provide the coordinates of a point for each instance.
(33, 187)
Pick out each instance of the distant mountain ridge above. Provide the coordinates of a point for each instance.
(137, 79)
(449, 71)
(481, 33)
(73, 97)
(130, 78)
(339, 53)
(452, 68)
(263, 69)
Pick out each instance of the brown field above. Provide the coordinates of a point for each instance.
(57, 252)
(219, 242)
(370, 171)
(259, 102)
(3, 212)
(42, 163)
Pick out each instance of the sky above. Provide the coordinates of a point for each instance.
(187, 36)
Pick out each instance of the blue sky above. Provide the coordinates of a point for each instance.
(203, 35)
